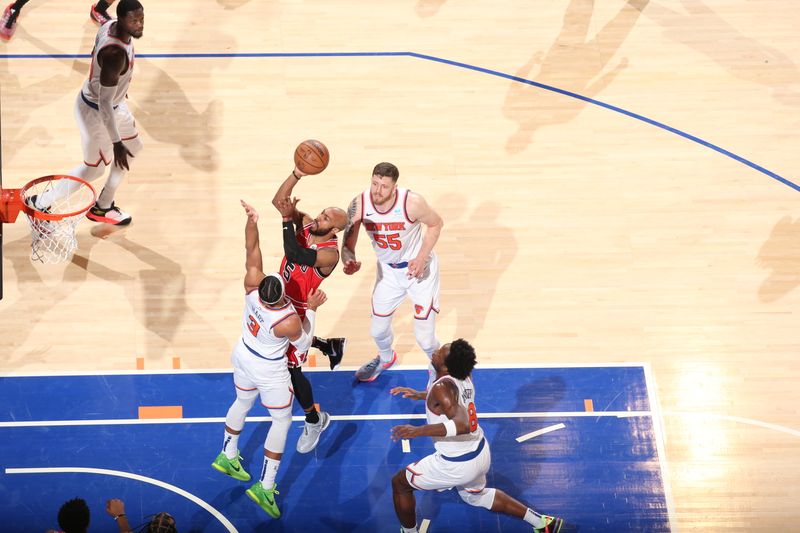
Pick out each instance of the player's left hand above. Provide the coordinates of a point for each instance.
(406, 431)
(416, 267)
(287, 206)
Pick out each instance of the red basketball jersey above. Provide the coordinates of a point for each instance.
(300, 279)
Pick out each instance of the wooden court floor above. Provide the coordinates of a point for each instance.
(638, 202)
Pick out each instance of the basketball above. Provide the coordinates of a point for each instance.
(311, 157)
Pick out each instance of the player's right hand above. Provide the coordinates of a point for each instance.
(250, 211)
(121, 154)
(351, 267)
(115, 507)
(316, 298)
(407, 392)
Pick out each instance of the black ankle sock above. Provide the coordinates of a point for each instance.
(312, 417)
(101, 6)
(18, 5)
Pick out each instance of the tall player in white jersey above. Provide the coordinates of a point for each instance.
(105, 122)
(269, 324)
(407, 265)
(462, 456)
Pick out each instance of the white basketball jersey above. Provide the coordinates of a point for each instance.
(458, 444)
(257, 324)
(395, 237)
(91, 88)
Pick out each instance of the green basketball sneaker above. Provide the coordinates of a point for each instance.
(231, 467)
(265, 498)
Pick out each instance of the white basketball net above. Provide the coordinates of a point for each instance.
(54, 241)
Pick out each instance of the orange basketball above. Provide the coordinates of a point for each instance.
(311, 157)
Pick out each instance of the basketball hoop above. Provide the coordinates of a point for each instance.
(53, 226)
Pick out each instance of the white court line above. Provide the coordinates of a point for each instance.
(133, 372)
(423, 527)
(118, 473)
(538, 432)
(655, 408)
(219, 420)
(739, 419)
(406, 445)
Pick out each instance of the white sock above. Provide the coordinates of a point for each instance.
(106, 196)
(230, 445)
(268, 472)
(408, 529)
(534, 518)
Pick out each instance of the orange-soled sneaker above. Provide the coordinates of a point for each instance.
(370, 370)
(8, 23)
(113, 215)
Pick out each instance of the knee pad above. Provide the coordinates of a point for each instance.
(91, 173)
(425, 333)
(484, 498)
(238, 411)
(278, 430)
(381, 329)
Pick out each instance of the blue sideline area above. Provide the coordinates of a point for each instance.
(601, 472)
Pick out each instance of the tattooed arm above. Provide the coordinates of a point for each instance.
(351, 266)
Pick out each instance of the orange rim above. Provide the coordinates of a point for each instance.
(41, 215)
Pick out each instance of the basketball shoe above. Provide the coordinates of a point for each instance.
(8, 23)
(552, 524)
(113, 215)
(100, 17)
(265, 498)
(231, 467)
(373, 368)
(311, 433)
(333, 348)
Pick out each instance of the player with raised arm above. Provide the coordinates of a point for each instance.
(270, 325)
(311, 253)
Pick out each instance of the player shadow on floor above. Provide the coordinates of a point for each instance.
(427, 8)
(34, 303)
(574, 63)
(168, 116)
(780, 255)
(740, 55)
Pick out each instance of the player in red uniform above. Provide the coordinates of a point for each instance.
(311, 253)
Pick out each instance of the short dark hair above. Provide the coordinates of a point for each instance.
(73, 517)
(386, 169)
(461, 359)
(270, 290)
(126, 6)
(162, 523)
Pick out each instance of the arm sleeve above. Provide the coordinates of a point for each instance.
(107, 111)
(294, 252)
(303, 343)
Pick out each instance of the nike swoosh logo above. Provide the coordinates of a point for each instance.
(369, 214)
(236, 468)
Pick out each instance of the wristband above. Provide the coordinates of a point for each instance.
(118, 516)
(450, 427)
(295, 176)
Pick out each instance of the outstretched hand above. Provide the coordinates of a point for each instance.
(250, 211)
(408, 392)
(406, 431)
